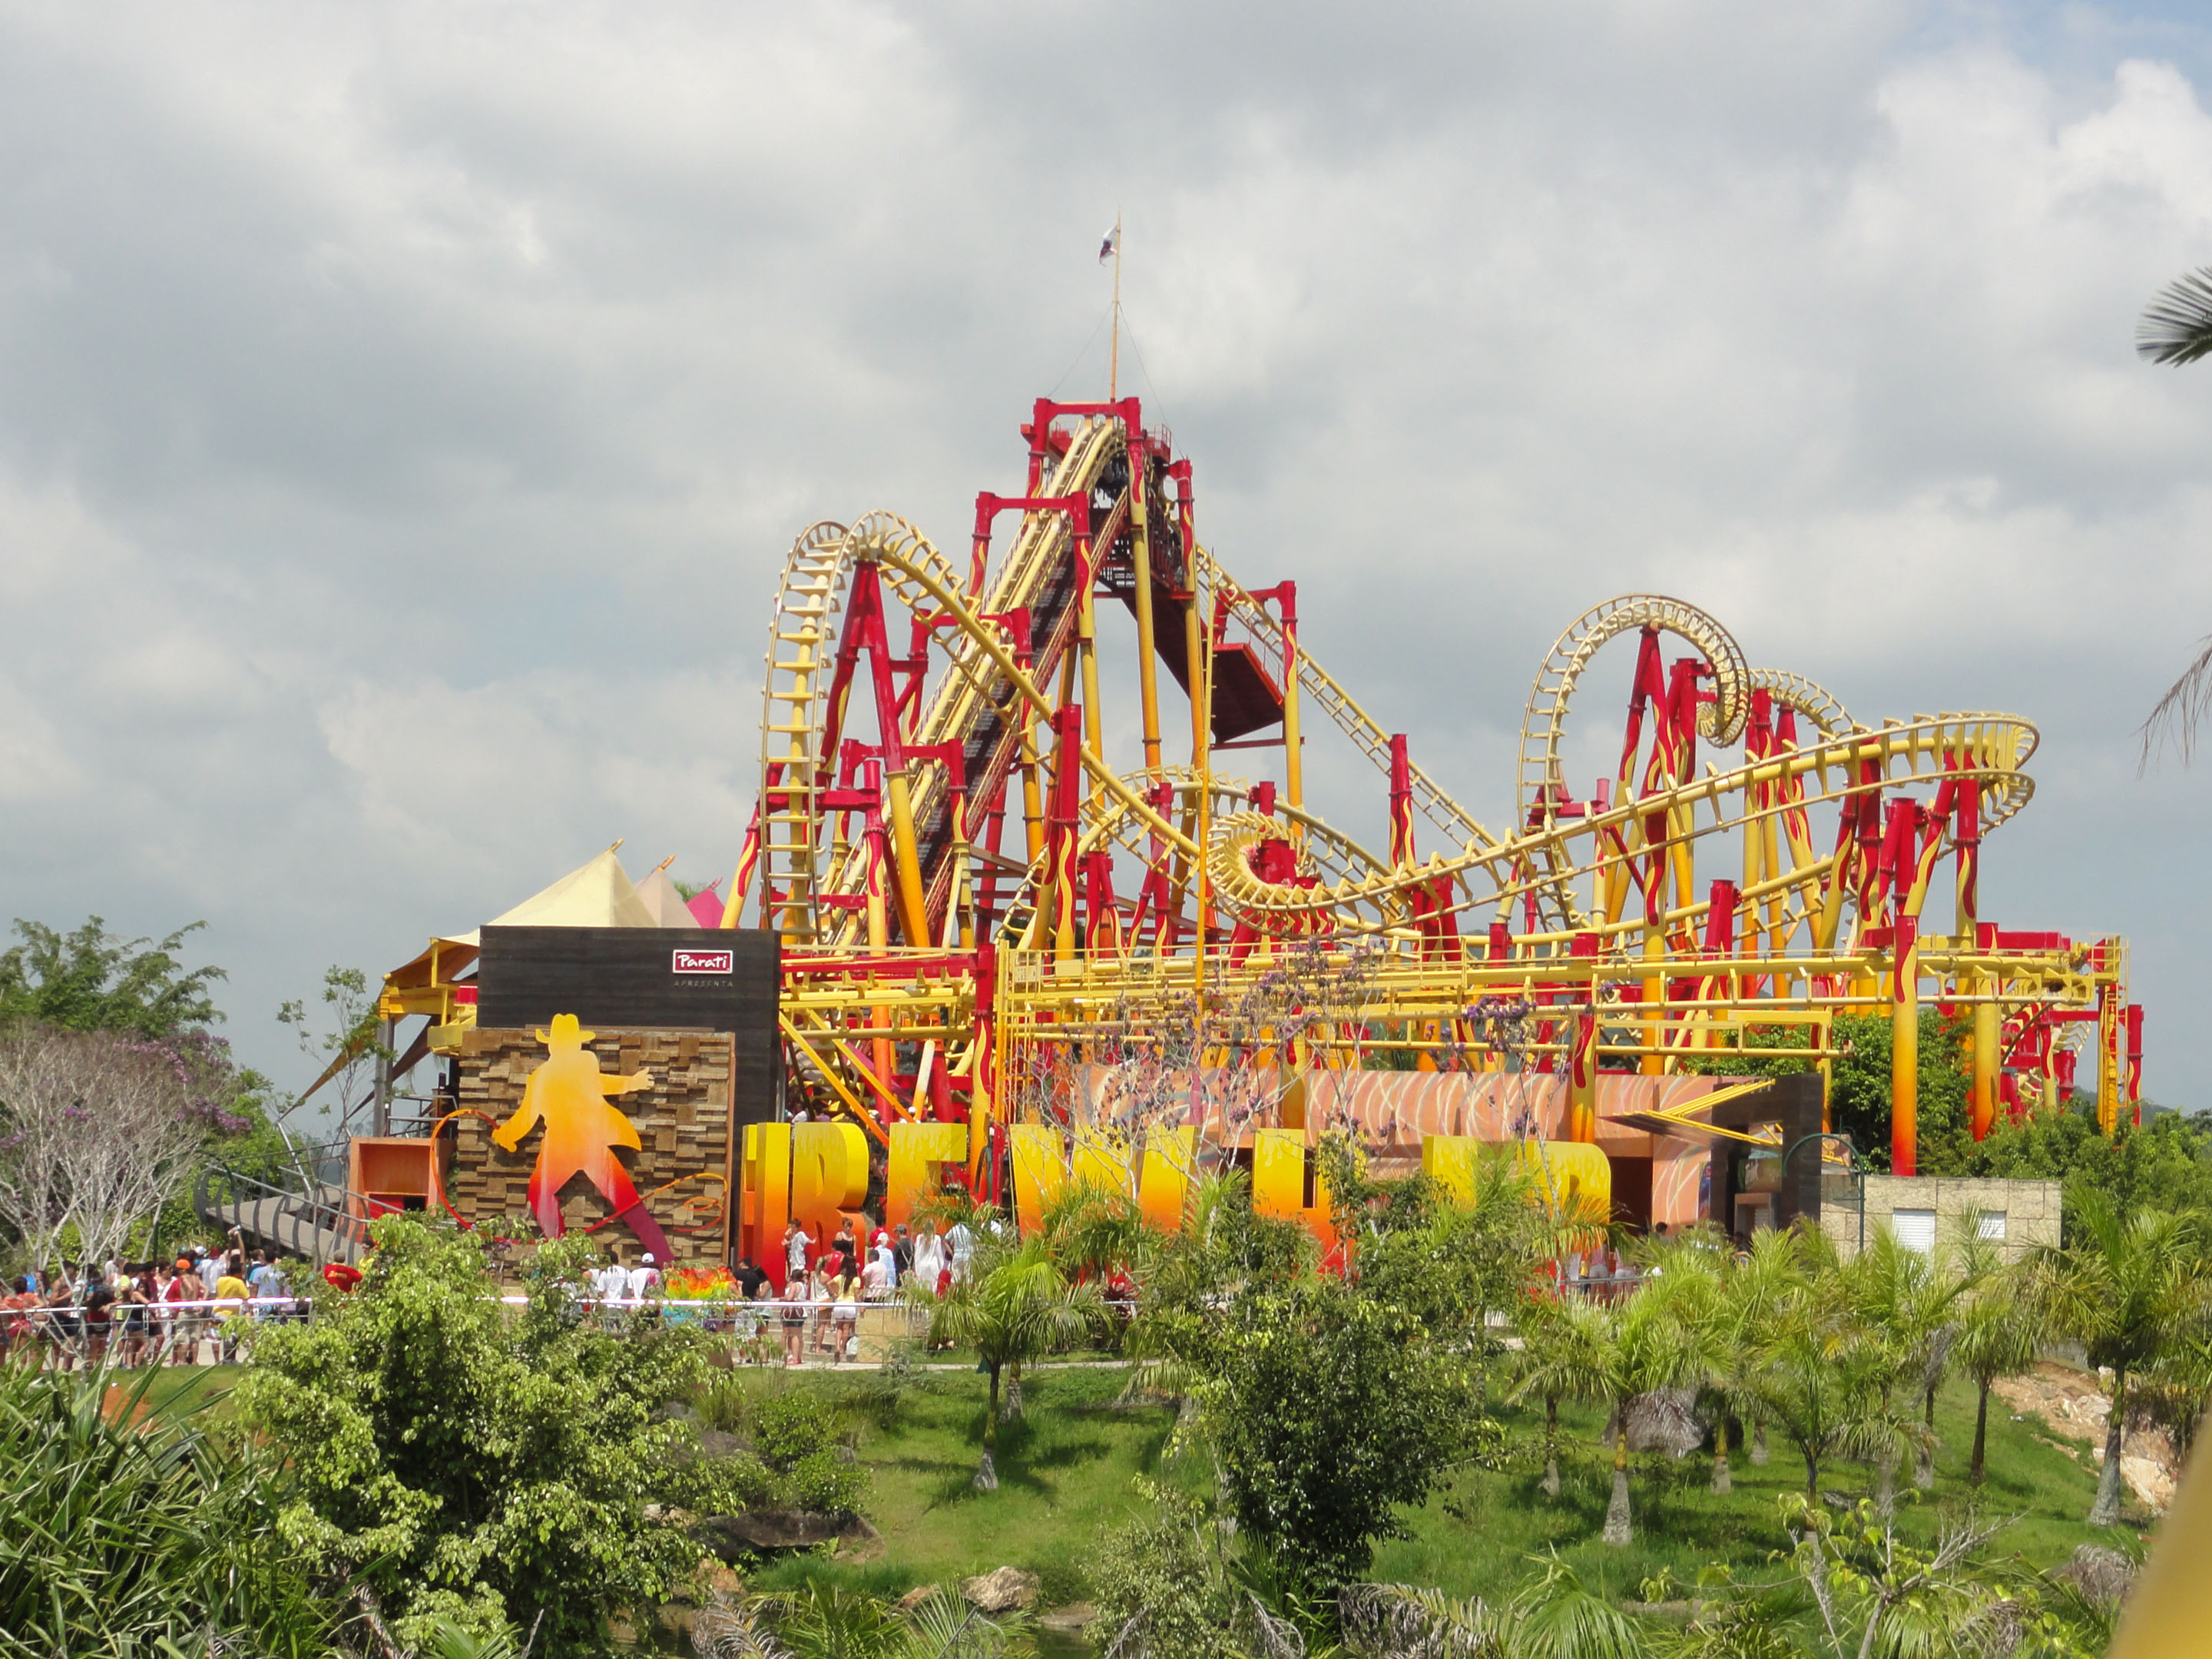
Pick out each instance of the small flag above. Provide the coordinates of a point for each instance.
(1110, 246)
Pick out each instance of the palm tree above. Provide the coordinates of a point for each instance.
(1016, 1305)
(827, 1622)
(2176, 327)
(1818, 1377)
(1550, 1366)
(1093, 1230)
(2131, 1293)
(1747, 1296)
(1999, 1331)
(1904, 1299)
(1635, 1356)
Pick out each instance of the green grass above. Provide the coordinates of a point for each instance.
(185, 1388)
(1477, 1539)
(1066, 1472)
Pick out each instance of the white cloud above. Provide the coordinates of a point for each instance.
(403, 414)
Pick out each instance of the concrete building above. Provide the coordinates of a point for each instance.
(1925, 1210)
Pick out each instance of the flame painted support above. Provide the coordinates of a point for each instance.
(1582, 1064)
(1402, 803)
(1905, 997)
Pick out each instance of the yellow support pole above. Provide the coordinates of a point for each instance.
(1201, 679)
(1985, 1096)
(1903, 1049)
(914, 911)
(2108, 1057)
(1086, 627)
(1294, 764)
(1194, 635)
(879, 941)
(1032, 788)
(1140, 548)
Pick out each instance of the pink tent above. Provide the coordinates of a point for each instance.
(705, 906)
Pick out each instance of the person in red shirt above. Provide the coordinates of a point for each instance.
(16, 1338)
(184, 1333)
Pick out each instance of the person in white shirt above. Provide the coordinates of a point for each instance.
(929, 1258)
(644, 1279)
(963, 1250)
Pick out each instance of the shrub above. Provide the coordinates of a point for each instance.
(123, 1536)
(466, 1470)
(1161, 1574)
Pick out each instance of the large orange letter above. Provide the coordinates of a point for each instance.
(1279, 1183)
(1040, 1173)
(765, 1198)
(917, 1151)
(829, 1174)
(1171, 1156)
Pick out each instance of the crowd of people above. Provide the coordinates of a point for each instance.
(813, 1296)
(145, 1313)
(201, 1305)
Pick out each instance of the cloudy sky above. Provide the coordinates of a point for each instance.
(404, 410)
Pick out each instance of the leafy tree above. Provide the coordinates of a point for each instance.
(2166, 1163)
(91, 979)
(2131, 1291)
(1016, 1306)
(1328, 1408)
(1859, 1090)
(1859, 1083)
(347, 1041)
(1159, 1585)
(1450, 1259)
(459, 1469)
(795, 1435)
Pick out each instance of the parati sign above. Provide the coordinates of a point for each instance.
(704, 961)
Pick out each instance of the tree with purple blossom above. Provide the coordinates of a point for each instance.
(97, 1130)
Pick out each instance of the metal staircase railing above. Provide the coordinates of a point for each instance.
(310, 1220)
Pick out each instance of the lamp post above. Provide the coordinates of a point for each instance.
(1852, 1162)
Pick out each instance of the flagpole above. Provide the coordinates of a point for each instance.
(1114, 366)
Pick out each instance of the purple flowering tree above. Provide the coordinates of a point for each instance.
(98, 1128)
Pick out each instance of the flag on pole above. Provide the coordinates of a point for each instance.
(1110, 246)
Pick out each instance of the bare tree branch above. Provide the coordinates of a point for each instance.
(97, 1129)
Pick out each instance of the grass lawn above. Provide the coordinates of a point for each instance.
(179, 1390)
(1066, 1472)
(1476, 1539)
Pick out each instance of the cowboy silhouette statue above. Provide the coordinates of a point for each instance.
(569, 1093)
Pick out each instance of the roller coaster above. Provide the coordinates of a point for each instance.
(971, 898)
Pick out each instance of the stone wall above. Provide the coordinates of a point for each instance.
(682, 1123)
(2031, 1209)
